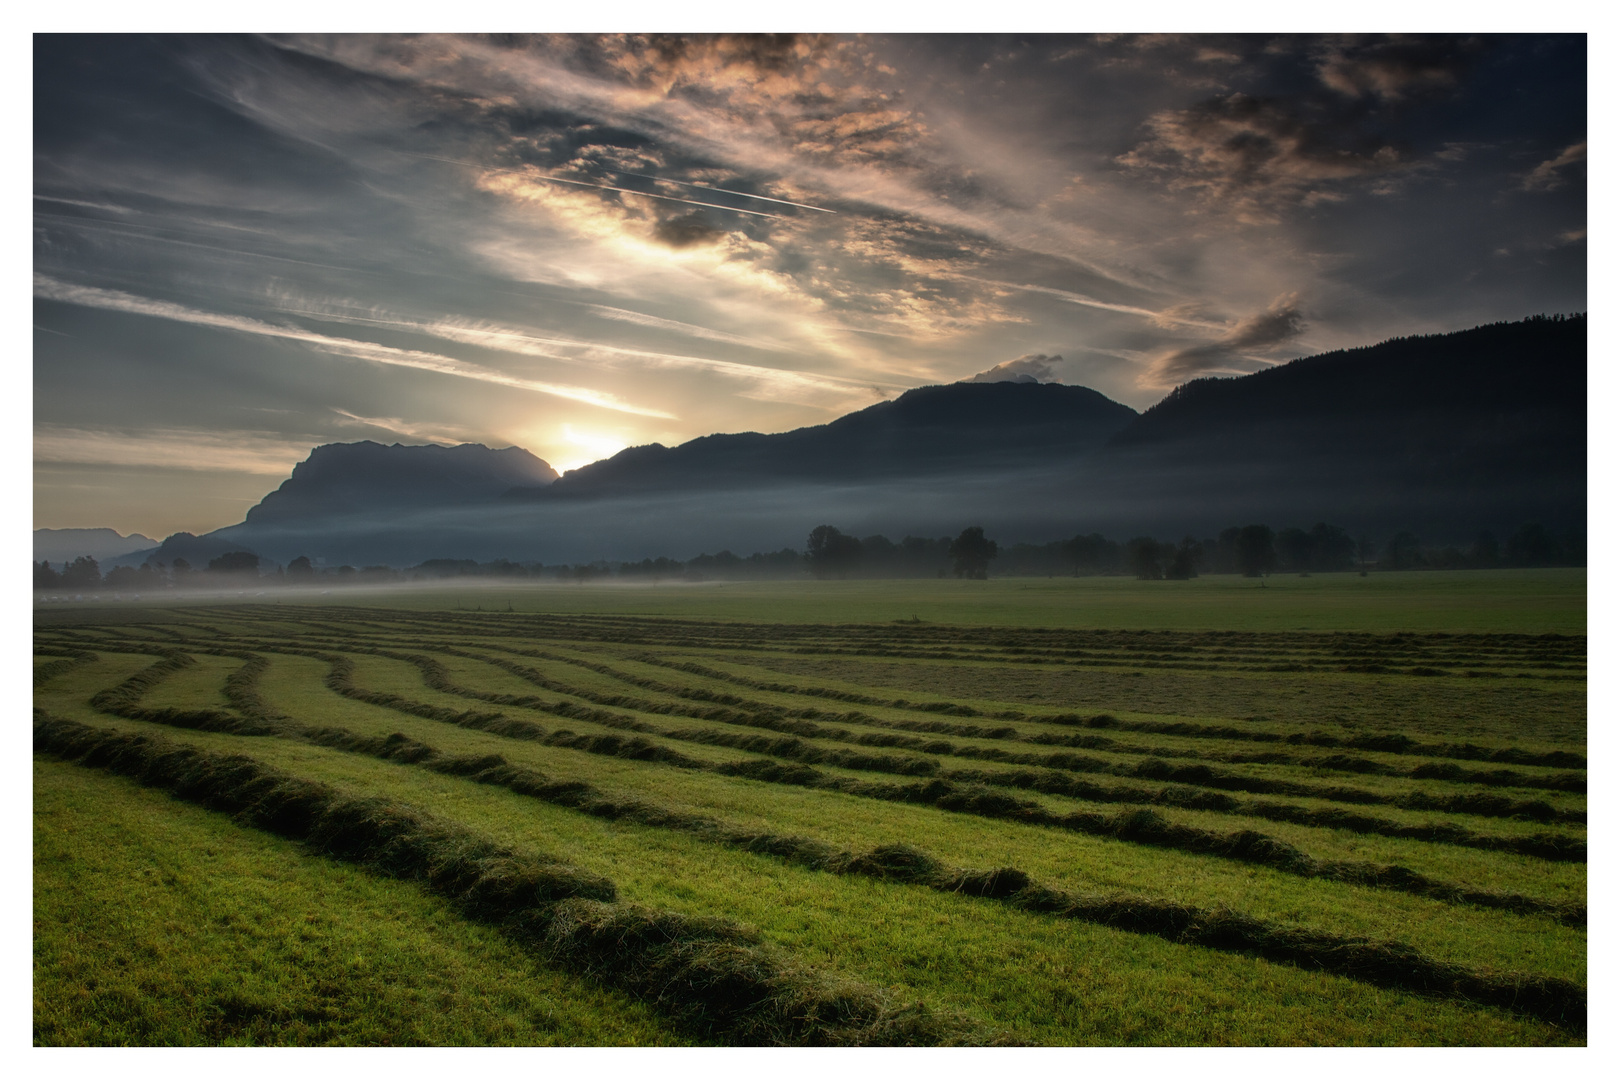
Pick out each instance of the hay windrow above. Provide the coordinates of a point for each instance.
(710, 974)
(1545, 845)
(1140, 826)
(71, 659)
(1556, 1001)
(940, 718)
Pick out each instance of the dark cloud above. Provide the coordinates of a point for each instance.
(1313, 120)
(1251, 153)
(1400, 68)
(1264, 331)
(684, 232)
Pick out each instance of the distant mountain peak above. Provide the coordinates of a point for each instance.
(348, 478)
(61, 545)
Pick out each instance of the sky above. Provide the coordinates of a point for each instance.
(245, 247)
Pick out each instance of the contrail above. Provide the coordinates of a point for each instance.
(1087, 301)
(739, 194)
(610, 187)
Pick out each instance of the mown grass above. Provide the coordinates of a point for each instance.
(1438, 708)
(199, 686)
(1520, 601)
(295, 688)
(162, 924)
(299, 695)
(1065, 860)
(1043, 980)
(624, 670)
(1005, 966)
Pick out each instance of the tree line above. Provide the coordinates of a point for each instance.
(1251, 550)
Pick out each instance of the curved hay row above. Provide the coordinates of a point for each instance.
(1557, 1001)
(711, 975)
(1139, 826)
(791, 747)
(71, 659)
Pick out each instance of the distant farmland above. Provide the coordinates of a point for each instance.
(284, 824)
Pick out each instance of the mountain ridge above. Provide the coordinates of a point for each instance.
(1446, 434)
(926, 430)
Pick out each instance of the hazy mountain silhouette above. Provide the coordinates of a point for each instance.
(65, 545)
(356, 478)
(1478, 426)
(1512, 384)
(923, 432)
(1441, 435)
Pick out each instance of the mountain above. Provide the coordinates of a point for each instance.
(1447, 433)
(932, 430)
(369, 489)
(65, 545)
(360, 478)
(1521, 383)
(1443, 436)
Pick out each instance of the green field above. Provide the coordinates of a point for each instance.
(1335, 810)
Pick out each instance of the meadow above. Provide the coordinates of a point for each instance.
(1334, 810)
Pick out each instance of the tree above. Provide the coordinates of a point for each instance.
(1366, 550)
(1485, 552)
(880, 556)
(971, 554)
(1144, 557)
(1185, 560)
(1090, 554)
(1401, 553)
(1294, 550)
(1532, 545)
(302, 570)
(831, 552)
(1331, 548)
(45, 577)
(1256, 553)
(81, 573)
(235, 562)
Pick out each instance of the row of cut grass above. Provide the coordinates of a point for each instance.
(1011, 969)
(157, 923)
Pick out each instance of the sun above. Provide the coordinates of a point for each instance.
(585, 446)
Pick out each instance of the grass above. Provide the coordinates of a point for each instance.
(1008, 967)
(515, 728)
(162, 924)
(1520, 601)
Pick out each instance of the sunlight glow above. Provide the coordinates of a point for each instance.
(593, 446)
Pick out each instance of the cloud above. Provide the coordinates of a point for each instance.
(1034, 368)
(1546, 177)
(433, 433)
(684, 232)
(264, 453)
(109, 207)
(765, 383)
(1180, 314)
(113, 300)
(1398, 68)
(1253, 154)
(639, 319)
(1279, 324)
